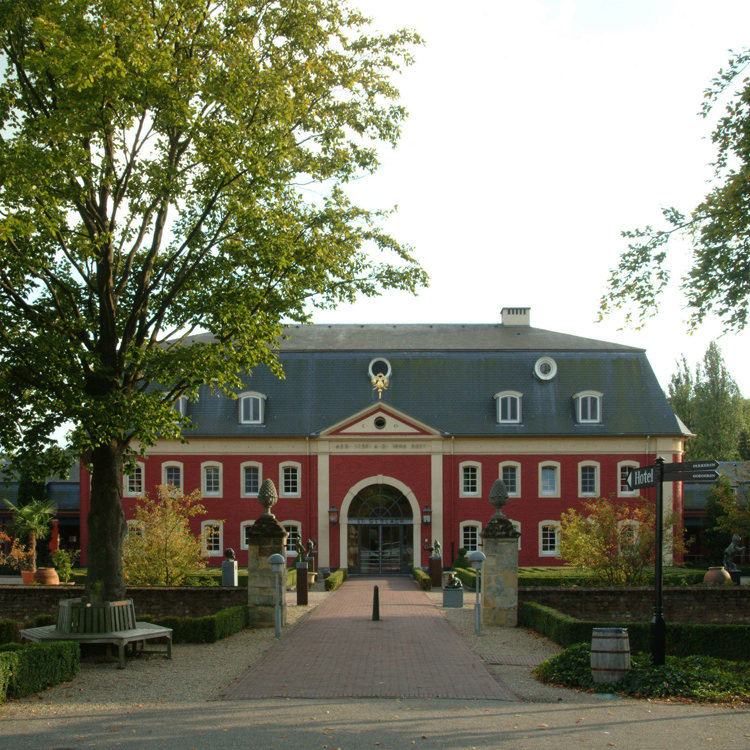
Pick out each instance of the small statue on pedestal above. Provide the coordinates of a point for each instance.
(732, 554)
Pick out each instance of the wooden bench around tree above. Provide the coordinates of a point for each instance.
(137, 636)
(110, 622)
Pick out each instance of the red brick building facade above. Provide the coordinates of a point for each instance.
(381, 439)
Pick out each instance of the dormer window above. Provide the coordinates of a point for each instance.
(180, 405)
(588, 407)
(252, 408)
(508, 407)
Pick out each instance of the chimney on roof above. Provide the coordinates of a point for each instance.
(516, 316)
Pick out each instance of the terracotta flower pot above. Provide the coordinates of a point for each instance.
(28, 576)
(717, 574)
(47, 576)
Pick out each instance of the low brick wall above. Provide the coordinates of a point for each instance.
(724, 604)
(22, 602)
(698, 604)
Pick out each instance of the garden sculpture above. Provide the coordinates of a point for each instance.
(732, 553)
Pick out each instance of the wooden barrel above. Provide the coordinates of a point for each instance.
(610, 654)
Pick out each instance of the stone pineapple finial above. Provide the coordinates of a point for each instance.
(499, 497)
(267, 495)
(499, 526)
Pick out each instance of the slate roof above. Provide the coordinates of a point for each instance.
(445, 376)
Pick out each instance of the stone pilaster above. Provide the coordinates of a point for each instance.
(500, 576)
(500, 584)
(265, 538)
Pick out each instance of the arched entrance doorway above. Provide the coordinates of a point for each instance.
(380, 531)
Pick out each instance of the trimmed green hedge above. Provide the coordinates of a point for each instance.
(28, 668)
(9, 631)
(335, 579)
(424, 581)
(566, 576)
(682, 639)
(207, 629)
(467, 576)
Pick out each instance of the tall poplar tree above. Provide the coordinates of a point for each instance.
(169, 167)
(711, 405)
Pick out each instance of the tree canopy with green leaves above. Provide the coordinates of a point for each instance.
(717, 230)
(709, 402)
(169, 167)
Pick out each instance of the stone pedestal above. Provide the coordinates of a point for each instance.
(500, 574)
(436, 572)
(229, 573)
(265, 537)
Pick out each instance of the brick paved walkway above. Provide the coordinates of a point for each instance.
(338, 651)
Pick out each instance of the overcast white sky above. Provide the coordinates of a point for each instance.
(538, 130)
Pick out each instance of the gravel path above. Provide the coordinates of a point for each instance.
(199, 672)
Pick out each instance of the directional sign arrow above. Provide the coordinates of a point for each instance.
(643, 476)
(696, 476)
(693, 466)
(691, 471)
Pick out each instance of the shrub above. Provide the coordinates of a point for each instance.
(468, 577)
(424, 581)
(690, 677)
(682, 639)
(33, 667)
(9, 631)
(209, 628)
(6, 662)
(163, 552)
(461, 561)
(335, 579)
(614, 541)
(62, 559)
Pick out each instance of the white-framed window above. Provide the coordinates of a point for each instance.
(251, 478)
(211, 479)
(469, 535)
(289, 479)
(212, 538)
(132, 482)
(623, 470)
(252, 406)
(549, 538)
(549, 479)
(171, 473)
(508, 407)
(588, 479)
(294, 529)
(510, 473)
(135, 527)
(588, 407)
(245, 527)
(470, 477)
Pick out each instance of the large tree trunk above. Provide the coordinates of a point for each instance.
(107, 527)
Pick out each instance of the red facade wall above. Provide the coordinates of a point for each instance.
(412, 470)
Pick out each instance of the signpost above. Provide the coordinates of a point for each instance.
(691, 471)
(655, 476)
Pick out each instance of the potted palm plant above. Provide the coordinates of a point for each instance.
(33, 522)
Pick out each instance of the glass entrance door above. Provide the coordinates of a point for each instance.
(380, 532)
(377, 549)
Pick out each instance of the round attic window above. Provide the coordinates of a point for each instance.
(545, 368)
(380, 422)
(379, 366)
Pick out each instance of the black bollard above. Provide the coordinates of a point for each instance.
(301, 583)
(376, 604)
